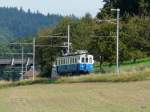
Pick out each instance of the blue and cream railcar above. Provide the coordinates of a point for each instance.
(75, 64)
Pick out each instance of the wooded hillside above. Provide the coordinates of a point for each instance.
(16, 23)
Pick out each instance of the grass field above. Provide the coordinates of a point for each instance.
(125, 67)
(79, 97)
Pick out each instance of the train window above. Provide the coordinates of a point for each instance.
(71, 60)
(82, 60)
(62, 61)
(68, 60)
(65, 60)
(86, 60)
(90, 60)
(75, 60)
(59, 61)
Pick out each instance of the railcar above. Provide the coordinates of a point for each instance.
(75, 64)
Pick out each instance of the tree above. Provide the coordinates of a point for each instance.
(134, 35)
(47, 55)
(81, 32)
(103, 45)
(132, 7)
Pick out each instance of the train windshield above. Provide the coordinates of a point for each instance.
(87, 60)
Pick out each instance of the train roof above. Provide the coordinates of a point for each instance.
(78, 52)
(72, 55)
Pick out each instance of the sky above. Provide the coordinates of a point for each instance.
(63, 7)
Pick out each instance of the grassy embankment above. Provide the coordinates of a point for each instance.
(129, 72)
(124, 77)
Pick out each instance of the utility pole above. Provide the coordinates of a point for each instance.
(33, 67)
(117, 40)
(27, 64)
(68, 39)
(117, 59)
(22, 70)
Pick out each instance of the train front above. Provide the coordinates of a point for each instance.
(86, 63)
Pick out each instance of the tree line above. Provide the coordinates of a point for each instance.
(128, 7)
(100, 39)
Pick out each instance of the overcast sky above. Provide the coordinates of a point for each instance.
(63, 7)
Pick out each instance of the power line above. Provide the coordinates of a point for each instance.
(49, 46)
(101, 36)
(51, 36)
(21, 43)
(16, 53)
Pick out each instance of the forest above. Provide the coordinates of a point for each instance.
(16, 23)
